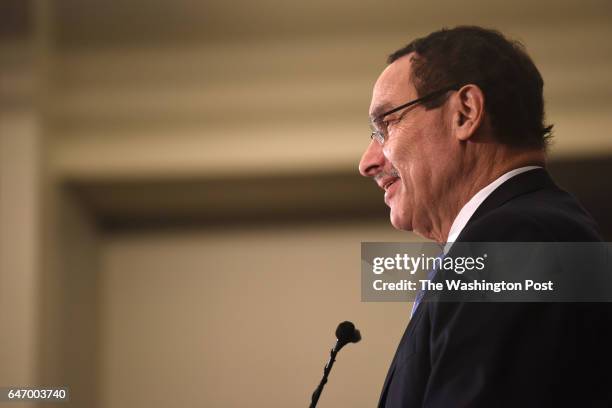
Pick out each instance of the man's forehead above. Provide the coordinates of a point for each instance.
(393, 86)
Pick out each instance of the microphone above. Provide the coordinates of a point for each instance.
(345, 333)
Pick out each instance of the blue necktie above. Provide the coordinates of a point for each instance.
(419, 296)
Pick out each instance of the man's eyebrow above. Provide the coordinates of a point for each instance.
(379, 109)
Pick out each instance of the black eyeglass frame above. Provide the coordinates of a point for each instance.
(429, 96)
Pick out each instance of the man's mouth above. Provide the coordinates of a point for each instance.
(390, 187)
(389, 183)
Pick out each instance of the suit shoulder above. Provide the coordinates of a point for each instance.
(537, 217)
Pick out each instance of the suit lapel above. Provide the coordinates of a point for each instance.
(409, 329)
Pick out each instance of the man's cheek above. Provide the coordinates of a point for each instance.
(388, 153)
(395, 152)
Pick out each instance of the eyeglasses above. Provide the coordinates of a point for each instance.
(379, 126)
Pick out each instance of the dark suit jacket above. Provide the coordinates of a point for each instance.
(466, 354)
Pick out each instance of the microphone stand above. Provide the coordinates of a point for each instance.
(326, 370)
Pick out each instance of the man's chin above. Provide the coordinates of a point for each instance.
(400, 221)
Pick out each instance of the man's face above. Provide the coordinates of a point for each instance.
(414, 166)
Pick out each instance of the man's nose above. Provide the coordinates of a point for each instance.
(373, 161)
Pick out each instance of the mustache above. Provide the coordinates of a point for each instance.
(392, 173)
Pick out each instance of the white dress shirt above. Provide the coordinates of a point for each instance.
(472, 205)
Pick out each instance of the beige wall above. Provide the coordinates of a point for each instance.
(19, 247)
(212, 109)
(241, 317)
(68, 298)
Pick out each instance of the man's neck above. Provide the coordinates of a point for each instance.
(478, 177)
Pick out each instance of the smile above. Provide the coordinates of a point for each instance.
(389, 184)
(390, 188)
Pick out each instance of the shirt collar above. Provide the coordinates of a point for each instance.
(472, 205)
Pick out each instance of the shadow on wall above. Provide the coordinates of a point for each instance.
(129, 204)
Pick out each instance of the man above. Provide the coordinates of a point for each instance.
(459, 147)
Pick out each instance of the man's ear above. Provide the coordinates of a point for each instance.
(469, 111)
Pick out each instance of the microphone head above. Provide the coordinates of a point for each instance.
(346, 333)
